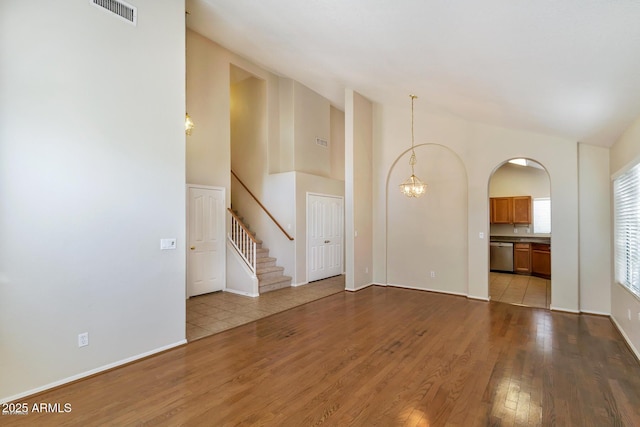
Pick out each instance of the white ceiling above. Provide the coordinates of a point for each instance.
(569, 68)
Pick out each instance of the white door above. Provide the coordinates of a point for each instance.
(324, 236)
(205, 245)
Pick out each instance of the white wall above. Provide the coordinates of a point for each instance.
(208, 91)
(624, 153)
(595, 229)
(482, 148)
(311, 119)
(358, 190)
(92, 170)
(337, 144)
(281, 153)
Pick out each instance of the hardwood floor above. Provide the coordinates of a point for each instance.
(381, 356)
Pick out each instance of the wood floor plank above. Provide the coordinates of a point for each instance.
(381, 356)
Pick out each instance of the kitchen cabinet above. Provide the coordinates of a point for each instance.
(541, 260)
(521, 210)
(510, 210)
(522, 258)
(501, 209)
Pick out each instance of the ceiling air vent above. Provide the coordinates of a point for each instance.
(124, 10)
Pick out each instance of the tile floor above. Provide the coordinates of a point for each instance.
(517, 289)
(215, 312)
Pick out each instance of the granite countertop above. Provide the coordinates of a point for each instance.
(516, 239)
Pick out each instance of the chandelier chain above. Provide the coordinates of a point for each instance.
(413, 187)
(412, 159)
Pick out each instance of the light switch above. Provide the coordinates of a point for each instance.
(167, 244)
(481, 235)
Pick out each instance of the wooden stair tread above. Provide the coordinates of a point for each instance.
(271, 281)
(264, 270)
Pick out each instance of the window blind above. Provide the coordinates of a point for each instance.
(626, 205)
(542, 215)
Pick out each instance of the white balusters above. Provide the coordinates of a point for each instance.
(244, 243)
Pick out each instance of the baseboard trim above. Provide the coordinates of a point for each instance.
(595, 313)
(634, 350)
(485, 299)
(438, 291)
(246, 294)
(295, 285)
(92, 372)
(565, 310)
(359, 288)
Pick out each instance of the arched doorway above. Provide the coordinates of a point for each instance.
(520, 234)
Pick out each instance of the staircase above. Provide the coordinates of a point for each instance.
(270, 276)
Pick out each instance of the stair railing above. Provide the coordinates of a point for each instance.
(262, 206)
(243, 241)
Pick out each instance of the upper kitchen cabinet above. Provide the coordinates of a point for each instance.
(511, 210)
(501, 210)
(522, 210)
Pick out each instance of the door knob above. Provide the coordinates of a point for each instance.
(327, 241)
(193, 247)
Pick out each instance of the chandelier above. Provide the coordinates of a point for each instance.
(413, 186)
(188, 124)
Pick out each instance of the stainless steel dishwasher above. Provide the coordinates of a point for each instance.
(501, 256)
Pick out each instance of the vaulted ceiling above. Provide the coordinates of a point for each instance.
(569, 68)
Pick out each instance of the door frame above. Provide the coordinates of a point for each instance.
(223, 237)
(308, 242)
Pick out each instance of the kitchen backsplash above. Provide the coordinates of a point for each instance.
(508, 230)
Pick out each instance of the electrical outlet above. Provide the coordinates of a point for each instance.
(515, 230)
(433, 274)
(629, 313)
(83, 339)
(366, 270)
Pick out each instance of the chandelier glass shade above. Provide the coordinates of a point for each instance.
(188, 124)
(413, 186)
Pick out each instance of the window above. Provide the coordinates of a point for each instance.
(626, 206)
(542, 215)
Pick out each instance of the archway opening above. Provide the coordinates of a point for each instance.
(520, 234)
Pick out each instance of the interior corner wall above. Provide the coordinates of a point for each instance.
(248, 140)
(625, 153)
(209, 105)
(358, 190)
(595, 229)
(208, 94)
(92, 176)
